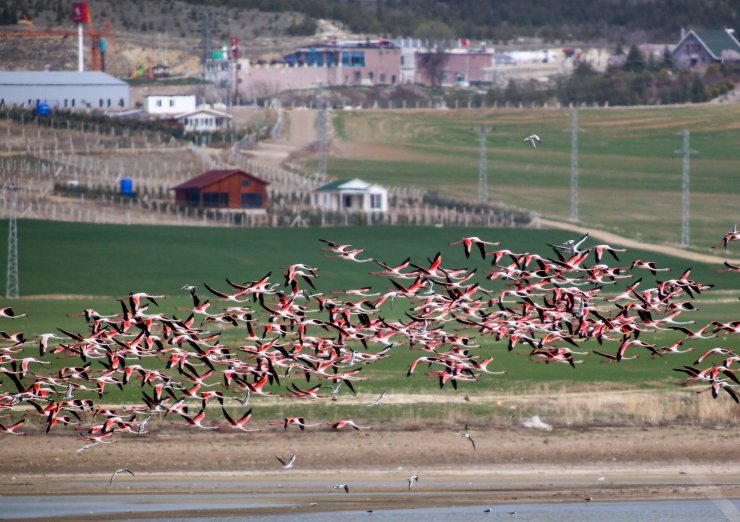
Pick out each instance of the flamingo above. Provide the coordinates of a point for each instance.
(468, 243)
(732, 235)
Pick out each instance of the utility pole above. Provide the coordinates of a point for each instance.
(685, 197)
(322, 125)
(483, 165)
(12, 289)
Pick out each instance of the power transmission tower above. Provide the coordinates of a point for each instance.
(12, 288)
(483, 165)
(685, 198)
(322, 124)
(574, 199)
(206, 47)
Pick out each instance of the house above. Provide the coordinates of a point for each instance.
(234, 189)
(169, 104)
(698, 49)
(204, 120)
(70, 90)
(350, 195)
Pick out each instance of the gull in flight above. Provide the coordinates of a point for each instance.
(122, 470)
(412, 479)
(345, 487)
(533, 140)
(287, 464)
(377, 401)
(464, 434)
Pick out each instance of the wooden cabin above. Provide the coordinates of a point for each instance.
(233, 189)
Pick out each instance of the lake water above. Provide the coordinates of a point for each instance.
(29, 506)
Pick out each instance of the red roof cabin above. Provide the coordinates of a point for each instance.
(223, 189)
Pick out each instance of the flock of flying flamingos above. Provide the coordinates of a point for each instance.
(545, 305)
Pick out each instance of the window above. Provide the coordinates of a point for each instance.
(371, 76)
(347, 201)
(253, 200)
(121, 102)
(159, 103)
(215, 199)
(100, 102)
(172, 103)
(245, 183)
(393, 78)
(382, 78)
(73, 102)
(65, 103)
(376, 200)
(357, 59)
(358, 76)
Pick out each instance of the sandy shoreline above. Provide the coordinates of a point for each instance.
(509, 466)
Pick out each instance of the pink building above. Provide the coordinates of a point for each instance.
(329, 64)
(457, 67)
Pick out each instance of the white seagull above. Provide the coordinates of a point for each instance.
(345, 487)
(377, 401)
(122, 470)
(533, 140)
(287, 464)
(412, 479)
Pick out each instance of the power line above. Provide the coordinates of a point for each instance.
(12, 287)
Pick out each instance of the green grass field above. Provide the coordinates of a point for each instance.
(94, 264)
(630, 179)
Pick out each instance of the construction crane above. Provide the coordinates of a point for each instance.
(99, 39)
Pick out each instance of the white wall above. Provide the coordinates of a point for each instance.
(167, 104)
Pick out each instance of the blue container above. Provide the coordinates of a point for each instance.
(127, 186)
(42, 109)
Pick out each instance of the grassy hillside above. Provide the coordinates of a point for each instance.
(630, 179)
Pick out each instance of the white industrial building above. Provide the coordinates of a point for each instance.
(169, 104)
(350, 195)
(69, 90)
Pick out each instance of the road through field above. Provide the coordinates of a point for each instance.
(615, 240)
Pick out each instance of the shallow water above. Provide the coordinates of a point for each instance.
(643, 511)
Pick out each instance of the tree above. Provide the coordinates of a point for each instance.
(667, 59)
(635, 61)
(436, 37)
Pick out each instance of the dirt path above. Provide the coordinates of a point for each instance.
(299, 133)
(615, 240)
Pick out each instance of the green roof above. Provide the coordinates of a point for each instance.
(718, 41)
(334, 185)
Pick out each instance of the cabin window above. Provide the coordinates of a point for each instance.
(376, 200)
(215, 199)
(253, 200)
(245, 183)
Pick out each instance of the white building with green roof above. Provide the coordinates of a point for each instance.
(352, 195)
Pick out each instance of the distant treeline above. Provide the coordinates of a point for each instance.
(497, 20)
(507, 19)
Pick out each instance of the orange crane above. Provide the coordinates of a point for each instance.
(99, 39)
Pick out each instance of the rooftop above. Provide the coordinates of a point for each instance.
(58, 78)
(212, 176)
